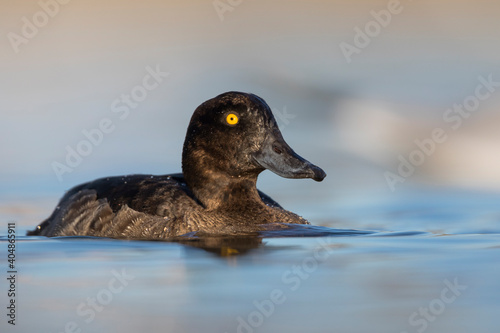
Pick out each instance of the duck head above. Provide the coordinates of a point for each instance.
(232, 138)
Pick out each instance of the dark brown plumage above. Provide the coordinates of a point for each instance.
(230, 140)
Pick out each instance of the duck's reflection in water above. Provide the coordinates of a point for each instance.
(223, 246)
(229, 245)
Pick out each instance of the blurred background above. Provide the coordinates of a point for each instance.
(353, 84)
(398, 101)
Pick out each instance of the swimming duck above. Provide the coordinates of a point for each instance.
(230, 140)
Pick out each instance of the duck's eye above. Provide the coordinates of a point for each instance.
(232, 119)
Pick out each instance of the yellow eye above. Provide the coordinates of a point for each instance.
(232, 119)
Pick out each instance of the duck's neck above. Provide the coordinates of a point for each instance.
(216, 189)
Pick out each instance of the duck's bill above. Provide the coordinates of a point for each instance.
(277, 156)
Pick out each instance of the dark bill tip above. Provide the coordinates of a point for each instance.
(319, 174)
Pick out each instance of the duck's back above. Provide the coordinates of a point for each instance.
(143, 193)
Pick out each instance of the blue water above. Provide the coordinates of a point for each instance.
(425, 261)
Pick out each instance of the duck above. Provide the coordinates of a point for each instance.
(230, 140)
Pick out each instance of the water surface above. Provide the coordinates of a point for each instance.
(428, 262)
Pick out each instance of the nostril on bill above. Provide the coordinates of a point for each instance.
(277, 150)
